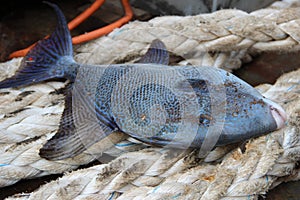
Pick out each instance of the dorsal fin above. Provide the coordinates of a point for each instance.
(157, 53)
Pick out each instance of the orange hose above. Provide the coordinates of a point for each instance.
(93, 34)
(85, 14)
(107, 29)
(20, 53)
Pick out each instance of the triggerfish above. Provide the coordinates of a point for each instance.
(166, 106)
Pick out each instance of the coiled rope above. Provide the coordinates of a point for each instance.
(154, 173)
(225, 38)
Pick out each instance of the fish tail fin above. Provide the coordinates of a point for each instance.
(49, 58)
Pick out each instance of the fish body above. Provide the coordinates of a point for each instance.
(173, 106)
(151, 102)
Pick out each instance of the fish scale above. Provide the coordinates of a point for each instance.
(136, 86)
(104, 90)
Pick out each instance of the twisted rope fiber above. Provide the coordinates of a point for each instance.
(166, 174)
(30, 116)
(225, 38)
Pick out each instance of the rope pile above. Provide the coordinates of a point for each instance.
(225, 38)
(154, 173)
(29, 116)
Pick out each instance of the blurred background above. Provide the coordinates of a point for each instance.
(194, 7)
(24, 22)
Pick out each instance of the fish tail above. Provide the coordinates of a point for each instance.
(50, 58)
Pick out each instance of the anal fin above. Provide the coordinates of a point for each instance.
(78, 129)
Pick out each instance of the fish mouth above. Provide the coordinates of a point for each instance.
(278, 113)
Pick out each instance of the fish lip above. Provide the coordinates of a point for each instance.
(280, 117)
(278, 113)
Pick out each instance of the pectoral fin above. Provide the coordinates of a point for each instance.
(78, 129)
(157, 53)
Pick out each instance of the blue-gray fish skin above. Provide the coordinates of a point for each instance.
(173, 106)
(134, 96)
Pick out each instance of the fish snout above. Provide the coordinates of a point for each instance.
(278, 113)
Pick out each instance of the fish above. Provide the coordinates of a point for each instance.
(179, 107)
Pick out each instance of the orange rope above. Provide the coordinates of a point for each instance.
(93, 34)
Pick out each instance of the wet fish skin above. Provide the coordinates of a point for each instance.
(246, 113)
(175, 106)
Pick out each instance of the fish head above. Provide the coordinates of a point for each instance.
(248, 113)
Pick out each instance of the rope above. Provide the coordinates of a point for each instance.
(226, 38)
(154, 173)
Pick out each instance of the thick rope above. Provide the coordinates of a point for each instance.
(225, 38)
(30, 116)
(154, 173)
